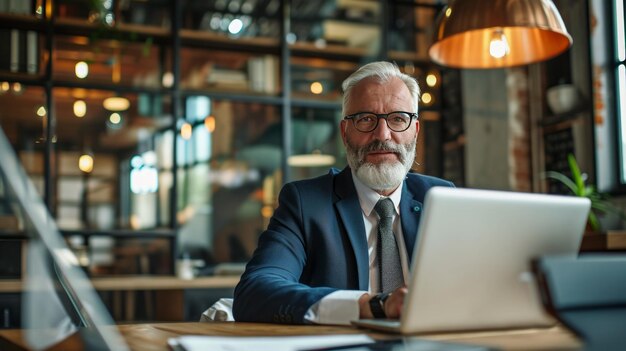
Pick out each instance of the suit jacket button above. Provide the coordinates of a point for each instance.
(416, 209)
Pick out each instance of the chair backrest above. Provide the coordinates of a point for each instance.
(588, 295)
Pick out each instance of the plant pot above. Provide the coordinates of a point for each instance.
(562, 98)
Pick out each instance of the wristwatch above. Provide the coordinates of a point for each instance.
(377, 305)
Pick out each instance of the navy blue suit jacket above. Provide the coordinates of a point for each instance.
(316, 244)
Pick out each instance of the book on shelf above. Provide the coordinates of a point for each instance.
(22, 7)
(14, 51)
(227, 78)
(20, 51)
(19, 48)
(263, 74)
(32, 52)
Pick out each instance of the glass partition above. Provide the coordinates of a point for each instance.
(57, 297)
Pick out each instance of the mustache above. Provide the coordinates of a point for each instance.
(378, 145)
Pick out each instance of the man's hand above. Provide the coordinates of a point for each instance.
(392, 306)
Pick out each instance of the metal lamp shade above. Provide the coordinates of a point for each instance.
(533, 30)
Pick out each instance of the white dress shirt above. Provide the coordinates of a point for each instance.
(342, 306)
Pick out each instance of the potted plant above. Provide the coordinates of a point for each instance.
(600, 204)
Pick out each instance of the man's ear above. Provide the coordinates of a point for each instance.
(342, 126)
(417, 128)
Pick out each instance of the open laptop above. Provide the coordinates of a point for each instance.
(472, 259)
(58, 298)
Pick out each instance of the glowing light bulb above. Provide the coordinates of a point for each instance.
(115, 118)
(235, 26)
(209, 123)
(427, 98)
(81, 69)
(185, 131)
(80, 108)
(17, 88)
(317, 88)
(499, 46)
(85, 163)
(41, 111)
(116, 104)
(431, 80)
(168, 79)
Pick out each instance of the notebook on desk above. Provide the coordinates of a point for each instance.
(471, 262)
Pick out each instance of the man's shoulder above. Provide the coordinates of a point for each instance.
(427, 181)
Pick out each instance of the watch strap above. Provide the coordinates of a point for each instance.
(377, 305)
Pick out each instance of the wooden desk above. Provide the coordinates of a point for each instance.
(153, 337)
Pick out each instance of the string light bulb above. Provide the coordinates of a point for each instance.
(317, 88)
(431, 80)
(427, 99)
(85, 163)
(80, 108)
(81, 69)
(41, 111)
(185, 131)
(209, 124)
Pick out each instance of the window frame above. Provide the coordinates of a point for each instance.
(617, 67)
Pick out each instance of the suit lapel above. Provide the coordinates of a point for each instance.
(410, 210)
(351, 216)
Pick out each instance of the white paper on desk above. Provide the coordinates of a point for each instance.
(263, 343)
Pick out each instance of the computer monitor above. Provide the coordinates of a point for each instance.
(58, 297)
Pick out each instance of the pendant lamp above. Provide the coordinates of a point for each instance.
(498, 33)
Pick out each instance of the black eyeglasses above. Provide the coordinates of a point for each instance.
(398, 121)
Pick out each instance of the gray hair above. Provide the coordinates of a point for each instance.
(383, 72)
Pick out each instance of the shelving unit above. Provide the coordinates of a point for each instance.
(571, 132)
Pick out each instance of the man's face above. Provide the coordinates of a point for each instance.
(380, 158)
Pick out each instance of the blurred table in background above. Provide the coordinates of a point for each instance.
(613, 240)
(168, 293)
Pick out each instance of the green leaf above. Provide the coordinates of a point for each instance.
(576, 175)
(593, 222)
(563, 179)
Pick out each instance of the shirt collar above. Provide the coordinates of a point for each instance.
(368, 197)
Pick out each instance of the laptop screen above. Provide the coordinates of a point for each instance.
(58, 298)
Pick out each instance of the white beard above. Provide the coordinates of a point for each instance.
(386, 175)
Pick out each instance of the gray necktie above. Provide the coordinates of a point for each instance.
(389, 267)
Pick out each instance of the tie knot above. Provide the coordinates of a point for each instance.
(384, 208)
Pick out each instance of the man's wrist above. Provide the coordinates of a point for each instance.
(377, 305)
